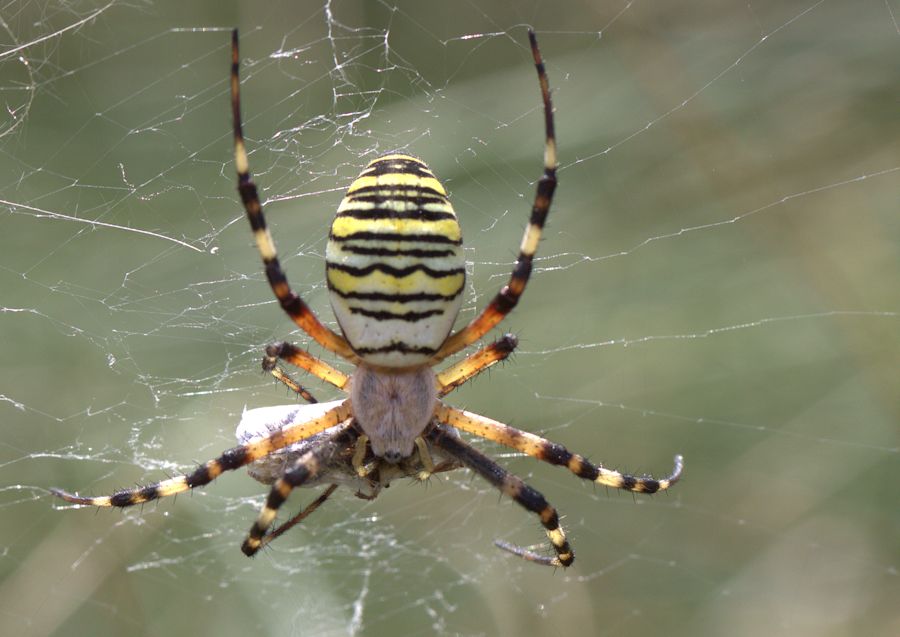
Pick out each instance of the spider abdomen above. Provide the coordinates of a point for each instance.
(394, 263)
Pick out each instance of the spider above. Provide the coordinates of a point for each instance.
(395, 273)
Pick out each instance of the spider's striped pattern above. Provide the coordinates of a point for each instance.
(395, 274)
(394, 263)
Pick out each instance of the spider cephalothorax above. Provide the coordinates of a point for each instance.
(395, 273)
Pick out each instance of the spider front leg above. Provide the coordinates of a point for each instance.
(514, 487)
(297, 519)
(229, 461)
(553, 453)
(306, 468)
(290, 302)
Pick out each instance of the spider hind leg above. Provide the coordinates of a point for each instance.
(509, 295)
(290, 302)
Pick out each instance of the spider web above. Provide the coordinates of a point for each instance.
(719, 278)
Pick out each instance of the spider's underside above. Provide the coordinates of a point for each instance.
(395, 274)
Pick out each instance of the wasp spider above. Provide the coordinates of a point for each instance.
(395, 271)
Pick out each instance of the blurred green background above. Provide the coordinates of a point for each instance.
(719, 278)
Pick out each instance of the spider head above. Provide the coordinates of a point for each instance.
(393, 408)
(393, 456)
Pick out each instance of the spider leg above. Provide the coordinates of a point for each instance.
(232, 459)
(474, 364)
(306, 468)
(514, 487)
(425, 458)
(304, 360)
(285, 379)
(292, 304)
(297, 519)
(357, 461)
(506, 299)
(553, 453)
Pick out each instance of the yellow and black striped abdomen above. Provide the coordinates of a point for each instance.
(394, 263)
